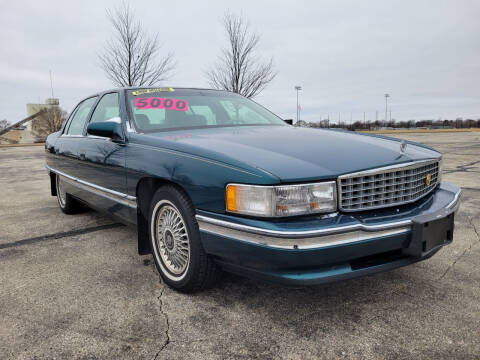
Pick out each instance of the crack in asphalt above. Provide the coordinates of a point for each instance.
(58, 235)
(474, 227)
(470, 188)
(167, 330)
(466, 250)
(463, 168)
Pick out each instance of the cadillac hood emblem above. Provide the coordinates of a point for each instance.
(403, 146)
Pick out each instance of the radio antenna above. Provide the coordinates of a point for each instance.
(51, 83)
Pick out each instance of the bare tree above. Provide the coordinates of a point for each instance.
(239, 69)
(49, 121)
(131, 57)
(3, 124)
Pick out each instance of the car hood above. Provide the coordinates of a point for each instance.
(294, 154)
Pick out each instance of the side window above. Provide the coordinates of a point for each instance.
(107, 109)
(80, 117)
(69, 119)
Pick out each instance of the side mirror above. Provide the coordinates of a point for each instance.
(289, 121)
(109, 129)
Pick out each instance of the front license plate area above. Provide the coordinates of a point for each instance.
(428, 234)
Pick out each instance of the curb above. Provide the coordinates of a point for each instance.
(20, 145)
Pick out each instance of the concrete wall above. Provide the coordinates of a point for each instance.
(17, 137)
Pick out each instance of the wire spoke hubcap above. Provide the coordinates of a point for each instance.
(172, 239)
(62, 195)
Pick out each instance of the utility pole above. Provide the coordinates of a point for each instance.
(298, 88)
(376, 115)
(390, 115)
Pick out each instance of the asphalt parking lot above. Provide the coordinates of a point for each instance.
(74, 287)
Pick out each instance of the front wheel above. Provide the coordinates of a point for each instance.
(175, 241)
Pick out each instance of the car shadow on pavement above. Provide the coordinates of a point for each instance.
(260, 317)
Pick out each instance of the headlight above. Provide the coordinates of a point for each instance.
(283, 200)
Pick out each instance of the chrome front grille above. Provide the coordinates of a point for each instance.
(389, 186)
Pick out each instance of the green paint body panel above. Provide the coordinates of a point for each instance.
(204, 161)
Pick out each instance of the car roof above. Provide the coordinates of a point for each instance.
(156, 86)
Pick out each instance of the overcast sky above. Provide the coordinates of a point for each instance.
(345, 54)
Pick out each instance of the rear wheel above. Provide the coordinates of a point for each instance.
(175, 241)
(65, 201)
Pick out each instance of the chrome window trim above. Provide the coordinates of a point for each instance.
(130, 123)
(97, 137)
(72, 136)
(125, 199)
(375, 171)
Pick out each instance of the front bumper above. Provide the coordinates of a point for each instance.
(327, 248)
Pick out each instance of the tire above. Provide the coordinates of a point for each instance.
(65, 201)
(175, 241)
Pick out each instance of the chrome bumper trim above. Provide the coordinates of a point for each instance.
(316, 242)
(310, 239)
(455, 203)
(124, 199)
(302, 234)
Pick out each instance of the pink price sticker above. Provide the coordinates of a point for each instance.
(161, 103)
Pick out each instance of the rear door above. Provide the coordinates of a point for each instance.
(66, 157)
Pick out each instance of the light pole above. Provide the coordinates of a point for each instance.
(386, 106)
(298, 88)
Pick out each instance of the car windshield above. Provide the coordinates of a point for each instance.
(164, 109)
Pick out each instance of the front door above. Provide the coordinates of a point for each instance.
(103, 162)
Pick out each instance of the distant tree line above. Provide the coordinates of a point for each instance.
(458, 123)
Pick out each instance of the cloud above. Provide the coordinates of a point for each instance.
(345, 54)
(41, 78)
